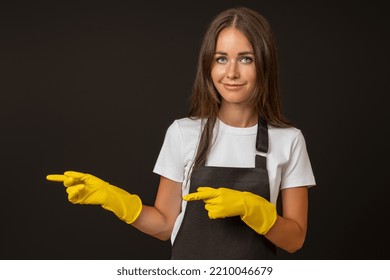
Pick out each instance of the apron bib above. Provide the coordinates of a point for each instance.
(200, 237)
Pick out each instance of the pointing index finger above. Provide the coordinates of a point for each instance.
(202, 194)
(75, 174)
(56, 177)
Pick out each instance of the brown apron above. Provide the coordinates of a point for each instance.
(200, 237)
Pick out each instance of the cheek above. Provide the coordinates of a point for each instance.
(251, 75)
(215, 75)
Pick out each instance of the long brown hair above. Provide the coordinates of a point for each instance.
(205, 100)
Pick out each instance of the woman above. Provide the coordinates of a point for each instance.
(230, 158)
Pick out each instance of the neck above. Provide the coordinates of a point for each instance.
(237, 116)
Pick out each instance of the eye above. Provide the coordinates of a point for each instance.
(246, 59)
(221, 59)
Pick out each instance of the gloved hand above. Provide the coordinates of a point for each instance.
(87, 189)
(254, 210)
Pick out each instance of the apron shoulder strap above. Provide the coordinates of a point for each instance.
(262, 136)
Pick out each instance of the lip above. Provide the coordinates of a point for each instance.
(232, 86)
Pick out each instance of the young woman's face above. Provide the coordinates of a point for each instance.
(233, 70)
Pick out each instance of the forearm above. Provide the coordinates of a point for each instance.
(286, 234)
(152, 221)
(158, 220)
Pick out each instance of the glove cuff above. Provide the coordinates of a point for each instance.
(260, 214)
(125, 206)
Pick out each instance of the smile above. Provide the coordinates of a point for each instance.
(232, 86)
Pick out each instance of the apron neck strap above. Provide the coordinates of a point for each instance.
(262, 136)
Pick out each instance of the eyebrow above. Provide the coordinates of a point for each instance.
(240, 53)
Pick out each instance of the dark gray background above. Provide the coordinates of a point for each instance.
(93, 87)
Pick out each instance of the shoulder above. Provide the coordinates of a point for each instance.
(286, 139)
(285, 133)
(184, 132)
(186, 127)
(187, 123)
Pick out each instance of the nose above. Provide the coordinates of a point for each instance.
(232, 71)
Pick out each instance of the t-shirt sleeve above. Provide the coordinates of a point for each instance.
(298, 171)
(170, 163)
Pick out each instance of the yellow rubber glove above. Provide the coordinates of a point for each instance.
(254, 210)
(87, 189)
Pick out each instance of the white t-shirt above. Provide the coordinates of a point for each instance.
(288, 163)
